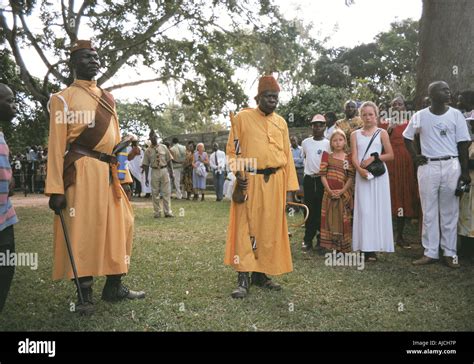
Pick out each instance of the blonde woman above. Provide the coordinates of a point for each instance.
(199, 171)
(372, 228)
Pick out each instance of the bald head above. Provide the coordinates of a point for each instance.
(439, 92)
(7, 103)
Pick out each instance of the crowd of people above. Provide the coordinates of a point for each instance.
(356, 173)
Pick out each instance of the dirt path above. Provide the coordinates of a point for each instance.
(18, 200)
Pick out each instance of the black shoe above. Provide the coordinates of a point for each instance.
(87, 306)
(306, 246)
(115, 291)
(261, 280)
(243, 286)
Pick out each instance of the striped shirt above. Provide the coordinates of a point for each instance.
(7, 212)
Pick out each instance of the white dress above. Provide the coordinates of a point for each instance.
(372, 229)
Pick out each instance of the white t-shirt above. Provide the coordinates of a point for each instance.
(439, 134)
(312, 153)
(328, 132)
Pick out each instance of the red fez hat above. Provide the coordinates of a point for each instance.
(268, 83)
(81, 44)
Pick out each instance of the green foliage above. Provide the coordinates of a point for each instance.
(166, 120)
(30, 127)
(387, 63)
(317, 100)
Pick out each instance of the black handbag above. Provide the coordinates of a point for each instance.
(377, 167)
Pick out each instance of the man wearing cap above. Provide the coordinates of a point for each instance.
(351, 122)
(84, 184)
(158, 157)
(257, 235)
(313, 148)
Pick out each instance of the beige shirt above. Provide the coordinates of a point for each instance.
(157, 156)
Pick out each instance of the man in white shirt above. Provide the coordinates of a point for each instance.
(442, 166)
(313, 148)
(218, 162)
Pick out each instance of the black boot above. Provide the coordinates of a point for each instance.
(243, 286)
(261, 280)
(85, 284)
(114, 290)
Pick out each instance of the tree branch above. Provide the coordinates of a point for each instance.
(79, 15)
(66, 23)
(135, 83)
(24, 74)
(113, 68)
(40, 52)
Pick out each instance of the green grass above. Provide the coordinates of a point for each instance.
(179, 263)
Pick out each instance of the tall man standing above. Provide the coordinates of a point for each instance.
(7, 213)
(313, 148)
(442, 166)
(257, 236)
(84, 182)
(158, 157)
(178, 151)
(218, 166)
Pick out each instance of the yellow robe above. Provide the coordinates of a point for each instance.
(264, 139)
(100, 226)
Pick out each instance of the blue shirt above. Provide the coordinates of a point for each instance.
(298, 157)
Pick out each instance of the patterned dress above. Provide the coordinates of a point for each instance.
(187, 176)
(336, 229)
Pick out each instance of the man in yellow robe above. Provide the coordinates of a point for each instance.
(257, 235)
(351, 122)
(98, 215)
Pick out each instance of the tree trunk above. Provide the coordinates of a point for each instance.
(446, 46)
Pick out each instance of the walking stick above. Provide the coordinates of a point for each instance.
(71, 257)
(306, 215)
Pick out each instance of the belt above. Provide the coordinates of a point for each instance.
(103, 157)
(440, 159)
(267, 171)
(159, 167)
(312, 175)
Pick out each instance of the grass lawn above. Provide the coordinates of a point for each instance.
(179, 263)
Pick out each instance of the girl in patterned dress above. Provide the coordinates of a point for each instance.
(337, 175)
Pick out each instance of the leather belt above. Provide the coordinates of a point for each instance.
(267, 171)
(440, 159)
(103, 157)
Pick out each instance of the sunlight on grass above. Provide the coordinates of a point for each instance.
(179, 263)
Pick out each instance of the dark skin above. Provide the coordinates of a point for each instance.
(154, 143)
(440, 96)
(318, 128)
(350, 110)
(267, 103)
(86, 64)
(8, 110)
